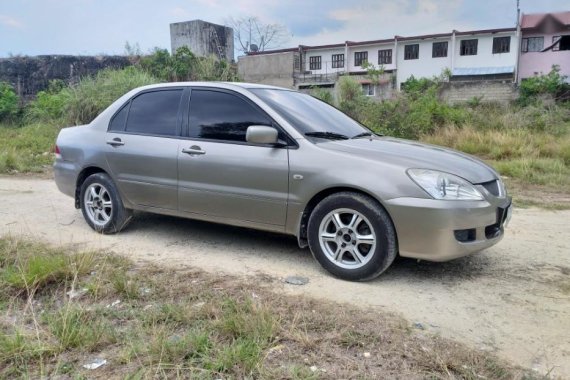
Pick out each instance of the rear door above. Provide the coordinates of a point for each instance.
(142, 147)
(220, 174)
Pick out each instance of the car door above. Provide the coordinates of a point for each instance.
(220, 174)
(142, 147)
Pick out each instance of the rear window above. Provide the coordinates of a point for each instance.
(118, 121)
(155, 113)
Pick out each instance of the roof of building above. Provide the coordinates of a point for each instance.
(389, 40)
(468, 71)
(532, 21)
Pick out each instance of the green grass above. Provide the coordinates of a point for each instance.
(27, 149)
(197, 325)
(26, 267)
(529, 157)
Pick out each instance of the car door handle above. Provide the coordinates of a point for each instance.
(193, 150)
(115, 142)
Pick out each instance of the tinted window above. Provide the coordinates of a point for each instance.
(308, 114)
(468, 47)
(118, 121)
(154, 113)
(412, 51)
(222, 116)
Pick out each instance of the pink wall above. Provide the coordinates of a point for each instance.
(537, 62)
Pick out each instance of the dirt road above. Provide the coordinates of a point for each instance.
(513, 299)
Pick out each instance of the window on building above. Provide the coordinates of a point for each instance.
(532, 44)
(337, 61)
(222, 116)
(368, 89)
(439, 49)
(315, 63)
(412, 51)
(360, 57)
(385, 57)
(468, 47)
(501, 45)
(296, 62)
(562, 43)
(154, 113)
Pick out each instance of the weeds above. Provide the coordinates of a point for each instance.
(202, 326)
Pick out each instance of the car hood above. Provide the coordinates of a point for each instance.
(412, 154)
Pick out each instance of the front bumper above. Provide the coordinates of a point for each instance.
(428, 229)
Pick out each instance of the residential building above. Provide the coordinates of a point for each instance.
(500, 56)
(545, 42)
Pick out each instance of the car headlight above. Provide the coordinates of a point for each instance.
(444, 186)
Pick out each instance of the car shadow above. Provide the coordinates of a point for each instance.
(182, 232)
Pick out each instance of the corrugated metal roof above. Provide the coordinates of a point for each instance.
(462, 71)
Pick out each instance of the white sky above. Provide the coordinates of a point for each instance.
(33, 27)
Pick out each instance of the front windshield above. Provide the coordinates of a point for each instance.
(308, 114)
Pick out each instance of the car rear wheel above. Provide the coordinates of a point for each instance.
(352, 236)
(102, 206)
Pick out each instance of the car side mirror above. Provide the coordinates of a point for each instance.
(261, 134)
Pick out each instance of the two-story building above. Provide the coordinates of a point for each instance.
(545, 42)
(504, 54)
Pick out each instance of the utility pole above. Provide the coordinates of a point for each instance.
(518, 12)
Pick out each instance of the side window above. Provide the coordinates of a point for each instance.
(117, 123)
(222, 116)
(154, 113)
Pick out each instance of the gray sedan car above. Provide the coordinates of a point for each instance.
(278, 160)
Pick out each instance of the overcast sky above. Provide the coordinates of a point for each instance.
(33, 27)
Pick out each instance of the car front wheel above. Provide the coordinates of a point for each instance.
(102, 206)
(352, 236)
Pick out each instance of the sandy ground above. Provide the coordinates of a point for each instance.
(513, 299)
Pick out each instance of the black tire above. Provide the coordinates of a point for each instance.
(119, 215)
(385, 248)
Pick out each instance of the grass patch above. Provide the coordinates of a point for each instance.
(27, 149)
(527, 158)
(173, 324)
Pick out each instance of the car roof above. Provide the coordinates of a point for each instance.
(227, 85)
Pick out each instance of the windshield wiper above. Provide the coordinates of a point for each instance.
(327, 135)
(363, 134)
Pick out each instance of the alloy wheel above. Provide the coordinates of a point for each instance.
(347, 238)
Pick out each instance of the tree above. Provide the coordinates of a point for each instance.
(8, 102)
(250, 32)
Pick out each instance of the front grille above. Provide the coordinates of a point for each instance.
(492, 187)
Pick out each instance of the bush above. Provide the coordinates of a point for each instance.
(92, 95)
(415, 88)
(9, 108)
(350, 96)
(323, 94)
(552, 84)
(185, 66)
(49, 105)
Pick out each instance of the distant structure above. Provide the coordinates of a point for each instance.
(487, 64)
(203, 39)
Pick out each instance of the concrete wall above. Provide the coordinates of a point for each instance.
(488, 91)
(326, 60)
(273, 69)
(372, 55)
(425, 66)
(198, 36)
(485, 56)
(29, 75)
